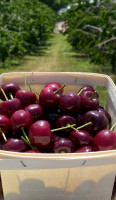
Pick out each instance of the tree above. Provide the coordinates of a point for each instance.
(24, 26)
(92, 30)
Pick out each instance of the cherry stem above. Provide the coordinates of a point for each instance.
(64, 127)
(89, 123)
(26, 139)
(6, 98)
(37, 94)
(28, 143)
(72, 127)
(25, 82)
(56, 92)
(11, 96)
(30, 87)
(62, 151)
(80, 91)
(92, 95)
(3, 135)
(75, 129)
(112, 128)
(25, 135)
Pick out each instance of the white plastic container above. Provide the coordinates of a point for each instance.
(61, 176)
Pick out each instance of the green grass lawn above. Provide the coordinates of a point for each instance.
(57, 56)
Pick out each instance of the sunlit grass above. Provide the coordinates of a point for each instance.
(57, 56)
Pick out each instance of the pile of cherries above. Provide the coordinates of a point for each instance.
(53, 122)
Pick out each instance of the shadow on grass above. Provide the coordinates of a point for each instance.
(41, 51)
(80, 56)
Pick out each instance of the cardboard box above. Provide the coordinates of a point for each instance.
(60, 176)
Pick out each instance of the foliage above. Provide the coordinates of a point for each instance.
(92, 30)
(24, 26)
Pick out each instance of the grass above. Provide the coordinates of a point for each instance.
(57, 56)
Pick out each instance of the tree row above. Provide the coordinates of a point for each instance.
(92, 30)
(24, 26)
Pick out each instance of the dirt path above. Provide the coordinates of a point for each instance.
(57, 56)
(49, 57)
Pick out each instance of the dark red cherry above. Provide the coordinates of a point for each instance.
(10, 89)
(5, 123)
(55, 86)
(98, 119)
(48, 149)
(51, 117)
(36, 111)
(15, 144)
(56, 137)
(21, 119)
(79, 119)
(40, 134)
(105, 140)
(8, 107)
(65, 120)
(89, 101)
(106, 113)
(48, 99)
(26, 97)
(70, 103)
(87, 88)
(81, 138)
(85, 149)
(63, 145)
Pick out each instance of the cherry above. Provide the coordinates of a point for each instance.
(48, 98)
(81, 138)
(98, 119)
(10, 106)
(105, 140)
(87, 88)
(40, 134)
(55, 86)
(10, 90)
(89, 101)
(85, 149)
(107, 114)
(78, 119)
(48, 149)
(36, 111)
(4, 125)
(15, 144)
(56, 137)
(63, 113)
(63, 121)
(70, 103)
(51, 117)
(21, 119)
(26, 97)
(63, 145)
